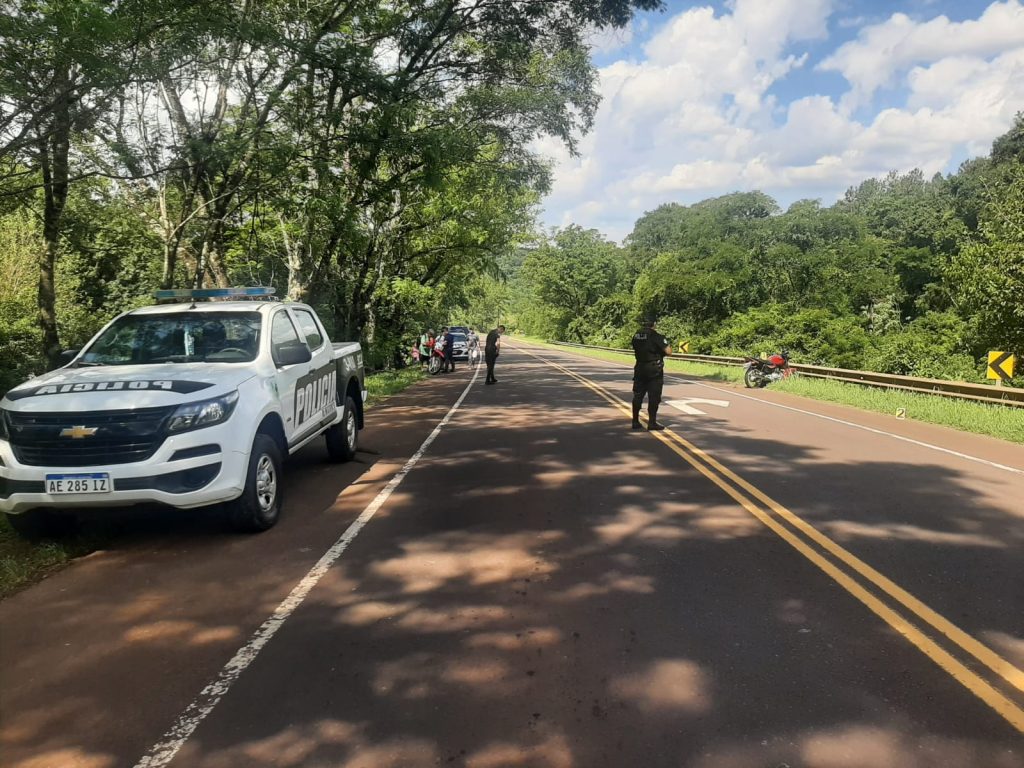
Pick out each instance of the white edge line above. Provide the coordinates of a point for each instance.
(911, 440)
(164, 751)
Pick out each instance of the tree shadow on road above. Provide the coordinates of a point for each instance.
(548, 589)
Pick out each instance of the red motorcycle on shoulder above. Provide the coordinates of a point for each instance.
(760, 372)
(436, 364)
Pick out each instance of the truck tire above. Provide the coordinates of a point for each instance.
(36, 524)
(343, 437)
(259, 506)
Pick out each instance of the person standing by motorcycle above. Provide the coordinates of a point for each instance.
(649, 349)
(426, 345)
(437, 351)
(449, 351)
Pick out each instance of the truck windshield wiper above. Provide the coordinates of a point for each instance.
(87, 364)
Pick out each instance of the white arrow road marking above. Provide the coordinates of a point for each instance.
(685, 406)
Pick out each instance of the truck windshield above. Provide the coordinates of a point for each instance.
(188, 337)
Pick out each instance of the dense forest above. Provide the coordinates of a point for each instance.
(370, 158)
(903, 275)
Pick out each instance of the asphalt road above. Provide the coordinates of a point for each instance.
(761, 586)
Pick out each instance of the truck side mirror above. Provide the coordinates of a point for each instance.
(67, 355)
(291, 353)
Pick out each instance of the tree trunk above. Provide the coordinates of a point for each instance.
(47, 295)
(53, 161)
(298, 277)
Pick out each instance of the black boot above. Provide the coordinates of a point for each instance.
(652, 420)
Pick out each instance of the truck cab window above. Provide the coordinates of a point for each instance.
(282, 330)
(310, 329)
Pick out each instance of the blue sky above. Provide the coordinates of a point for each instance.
(798, 98)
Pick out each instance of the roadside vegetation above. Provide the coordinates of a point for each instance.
(381, 385)
(371, 159)
(25, 562)
(906, 274)
(998, 421)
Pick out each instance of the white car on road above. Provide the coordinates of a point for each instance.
(184, 404)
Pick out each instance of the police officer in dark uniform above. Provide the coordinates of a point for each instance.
(492, 347)
(650, 349)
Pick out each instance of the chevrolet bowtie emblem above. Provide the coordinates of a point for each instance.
(77, 432)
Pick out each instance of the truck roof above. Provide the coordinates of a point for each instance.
(211, 306)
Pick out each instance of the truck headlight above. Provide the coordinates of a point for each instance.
(205, 413)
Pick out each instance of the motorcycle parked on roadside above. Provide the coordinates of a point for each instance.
(760, 372)
(436, 363)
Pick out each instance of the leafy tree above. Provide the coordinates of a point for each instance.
(700, 290)
(570, 274)
(20, 242)
(1009, 148)
(61, 62)
(488, 302)
(343, 148)
(988, 272)
(810, 335)
(609, 321)
(934, 345)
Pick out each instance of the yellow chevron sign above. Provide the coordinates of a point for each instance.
(1000, 366)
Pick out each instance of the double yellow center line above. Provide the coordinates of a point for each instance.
(852, 574)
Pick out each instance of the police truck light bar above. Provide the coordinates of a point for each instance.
(187, 294)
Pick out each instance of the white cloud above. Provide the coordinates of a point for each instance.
(849, 22)
(738, 54)
(695, 118)
(700, 174)
(882, 51)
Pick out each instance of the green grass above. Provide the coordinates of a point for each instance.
(1006, 423)
(387, 383)
(999, 421)
(23, 562)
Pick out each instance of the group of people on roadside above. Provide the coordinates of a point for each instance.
(442, 345)
(650, 349)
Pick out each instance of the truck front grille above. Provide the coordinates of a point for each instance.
(121, 437)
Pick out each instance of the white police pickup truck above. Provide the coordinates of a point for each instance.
(184, 404)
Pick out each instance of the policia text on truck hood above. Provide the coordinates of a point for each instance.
(93, 389)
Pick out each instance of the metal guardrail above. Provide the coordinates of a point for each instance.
(961, 390)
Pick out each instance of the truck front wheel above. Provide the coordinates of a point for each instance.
(259, 506)
(343, 437)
